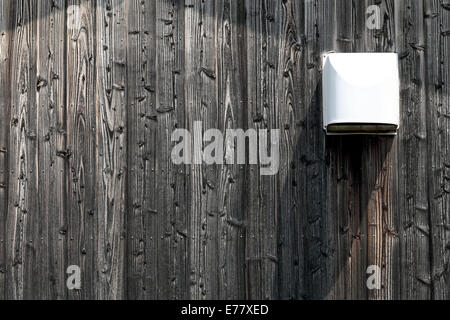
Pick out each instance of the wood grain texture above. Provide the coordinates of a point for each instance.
(200, 97)
(23, 209)
(264, 69)
(230, 183)
(50, 103)
(111, 149)
(142, 135)
(5, 34)
(413, 141)
(437, 24)
(79, 226)
(171, 224)
(289, 85)
(86, 176)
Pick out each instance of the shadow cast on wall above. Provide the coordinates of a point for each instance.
(341, 187)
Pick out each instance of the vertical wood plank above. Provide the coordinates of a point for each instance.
(320, 38)
(231, 82)
(180, 276)
(142, 150)
(209, 113)
(22, 192)
(111, 137)
(50, 247)
(263, 32)
(437, 44)
(377, 191)
(309, 64)
(412, 154)
(200, 75)
(79, 228)
(158, 239)
(5, 62)
(171, 230)
(290, 69)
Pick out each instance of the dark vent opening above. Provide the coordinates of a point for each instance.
(362, 128)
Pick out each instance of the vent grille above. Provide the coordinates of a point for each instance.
(362, 128)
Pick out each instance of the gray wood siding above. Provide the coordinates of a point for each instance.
(86, 176)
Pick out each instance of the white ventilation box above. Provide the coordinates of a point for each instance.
(361, 93)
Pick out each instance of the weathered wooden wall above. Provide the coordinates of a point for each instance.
(85, 171)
